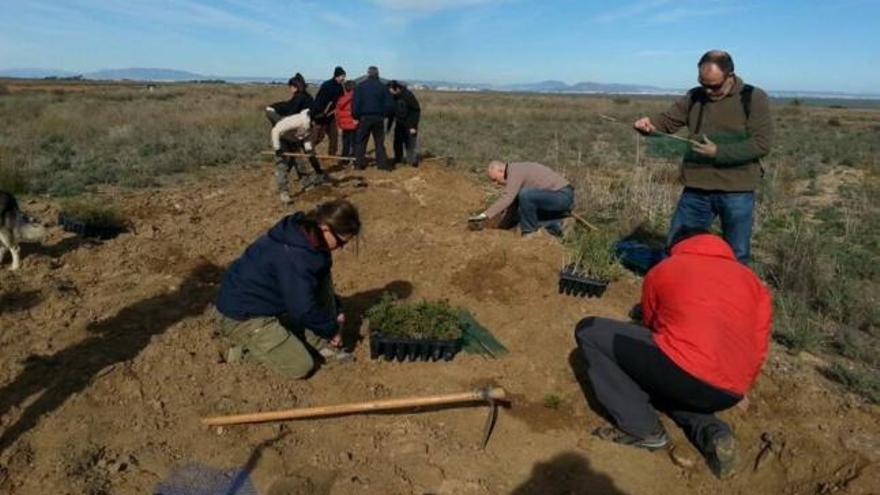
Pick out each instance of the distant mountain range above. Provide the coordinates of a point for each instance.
(548, 86)
(132, 74)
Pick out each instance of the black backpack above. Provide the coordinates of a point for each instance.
(699, 96)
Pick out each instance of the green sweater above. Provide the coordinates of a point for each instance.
(741, 142)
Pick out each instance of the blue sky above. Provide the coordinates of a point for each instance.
(777, 44)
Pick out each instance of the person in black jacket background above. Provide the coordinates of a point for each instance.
(372, 103)
(406, 130)
(276, 302)
(323, 114)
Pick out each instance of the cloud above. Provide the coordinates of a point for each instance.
(632, 10)
(429, 6)
(678, 14)
(663, 53)
(338, 20)
(665, 11)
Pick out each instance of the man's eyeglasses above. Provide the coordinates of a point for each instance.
(713, 87)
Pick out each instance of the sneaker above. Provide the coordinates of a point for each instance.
(722, 458)
(285, 198)
(555, 229)
(613, 434)
(335, 355)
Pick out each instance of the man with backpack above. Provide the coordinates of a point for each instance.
(731, 121)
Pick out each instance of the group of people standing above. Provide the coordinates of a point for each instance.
(703, 322)
(359, 111)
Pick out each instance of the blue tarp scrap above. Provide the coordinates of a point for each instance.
(198, 479)
(638, 256)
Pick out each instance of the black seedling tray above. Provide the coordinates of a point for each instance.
(578, 284)
(404, 349)
(70, 224)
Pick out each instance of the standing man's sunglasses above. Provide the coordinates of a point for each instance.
(713, 87)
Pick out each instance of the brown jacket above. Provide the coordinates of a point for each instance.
(741, 141)
(525, 175)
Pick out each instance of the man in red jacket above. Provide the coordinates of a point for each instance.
(707, 324)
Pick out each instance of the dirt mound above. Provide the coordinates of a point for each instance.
(109, 361)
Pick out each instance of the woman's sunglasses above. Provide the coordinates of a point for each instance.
(340, 242)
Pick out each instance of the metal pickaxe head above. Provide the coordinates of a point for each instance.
(492, 396)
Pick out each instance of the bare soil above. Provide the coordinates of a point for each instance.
(109, 359)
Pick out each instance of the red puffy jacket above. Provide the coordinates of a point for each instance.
(343, 112)
(708, 313)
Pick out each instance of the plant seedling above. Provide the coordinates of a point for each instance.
(425, 330)
(590, 265)
(552, 401)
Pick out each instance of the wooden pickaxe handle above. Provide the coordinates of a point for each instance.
(483, 395)
(309, 155)
(583, 221)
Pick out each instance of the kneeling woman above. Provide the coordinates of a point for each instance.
(276, 301)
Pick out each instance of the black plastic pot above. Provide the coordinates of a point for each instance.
(404, 349)
(71, 224)
(579, 284)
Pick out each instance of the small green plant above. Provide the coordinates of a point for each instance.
(94, 212)
(552, 401)
(620, 100)
(591, 252)
(423, 320)
(834, 122)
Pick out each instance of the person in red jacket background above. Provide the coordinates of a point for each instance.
(344, 119)
(707, 326)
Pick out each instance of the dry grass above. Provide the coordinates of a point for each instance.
(817, 237)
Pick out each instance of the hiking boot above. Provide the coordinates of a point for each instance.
(651, 442)
(722, 457)
(285, 198)
(313, 181)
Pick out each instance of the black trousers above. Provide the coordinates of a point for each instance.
(371, 125)
(329, 129)
(405, 145)
(631, 377)
(348, 142)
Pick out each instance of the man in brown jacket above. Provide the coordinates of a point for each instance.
(538, 195)
(732, 123)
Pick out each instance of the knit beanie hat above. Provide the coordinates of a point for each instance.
(338, 71)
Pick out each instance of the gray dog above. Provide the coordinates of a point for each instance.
(16, 227)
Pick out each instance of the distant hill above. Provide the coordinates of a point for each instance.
(548, 86)
(34, 73)
(145, 74)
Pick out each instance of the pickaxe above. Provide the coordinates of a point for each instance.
(493, 396)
